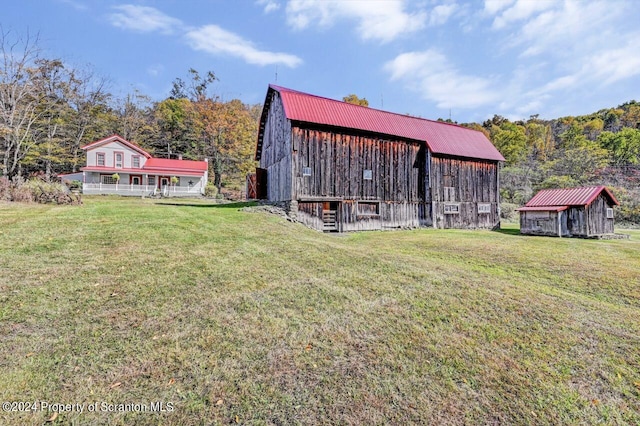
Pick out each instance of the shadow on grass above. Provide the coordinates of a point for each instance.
(508, 231)
(214, 206)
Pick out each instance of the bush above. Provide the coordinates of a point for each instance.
(210, 191)
(508, 211)
(36, 190)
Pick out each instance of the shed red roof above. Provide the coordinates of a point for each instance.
(581, 196)
(441, 138)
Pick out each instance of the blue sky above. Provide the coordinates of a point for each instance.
(430, 58)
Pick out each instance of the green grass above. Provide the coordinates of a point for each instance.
(236, 316)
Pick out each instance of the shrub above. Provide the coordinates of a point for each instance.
(210, 190)
(36, 190)
(508, 211)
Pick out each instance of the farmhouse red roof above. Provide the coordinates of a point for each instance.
(581, 196)
(175, 165)
(441, 138)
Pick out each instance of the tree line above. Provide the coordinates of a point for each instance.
(49, 110)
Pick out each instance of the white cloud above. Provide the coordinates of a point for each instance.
(269, 5)
(215, 40)
(493, 6)
(522, 10)
(143, 19)
(381, 20)
(430, 74)
(440, 14)
(155, 70)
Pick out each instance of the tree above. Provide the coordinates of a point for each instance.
(511, 141)
(19, 99)
(623, 147)
(354, 99)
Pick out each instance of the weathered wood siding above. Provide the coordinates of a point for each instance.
(597, 222)
(337, 163)
(466, 183)
(541, 223)
(276, 152)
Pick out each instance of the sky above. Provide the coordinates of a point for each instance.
(464, 60)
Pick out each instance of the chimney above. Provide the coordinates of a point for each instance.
(179, 156)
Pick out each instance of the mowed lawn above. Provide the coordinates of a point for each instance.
(228, 316)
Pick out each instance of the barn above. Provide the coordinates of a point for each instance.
(341, 167)
(585, 212)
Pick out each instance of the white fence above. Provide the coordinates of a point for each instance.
(141, 190)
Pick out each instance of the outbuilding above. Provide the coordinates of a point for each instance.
(586, 212)
(340, 167)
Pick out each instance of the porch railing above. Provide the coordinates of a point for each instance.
(141, 190)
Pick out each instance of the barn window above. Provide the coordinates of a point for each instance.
(367, 175)
(609, 213)
(306, 171)
(368, 208)
(449, 193)
(484, 208)
(451, 208)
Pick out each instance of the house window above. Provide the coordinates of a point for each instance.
(368, 208)
(306, 171)
(118, 159)
(135, 160)
(451, 208)
(367, 175)
(151, 181)
(609, 213)
(107, 179)
(484, 208)
(100, 159)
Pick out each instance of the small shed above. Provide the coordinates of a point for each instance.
(585, 212)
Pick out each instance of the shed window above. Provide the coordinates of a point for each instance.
(609, 213)
(451, 208)
(367, 175)
(484, 208)
(306, 171)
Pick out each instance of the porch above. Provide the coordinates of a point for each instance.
(142, 190)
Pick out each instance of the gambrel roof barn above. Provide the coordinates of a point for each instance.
(340, 167)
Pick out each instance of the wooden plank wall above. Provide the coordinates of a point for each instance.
(539, 223)
(276, 152)
(467, 183)
(597, 222)
(338, 162)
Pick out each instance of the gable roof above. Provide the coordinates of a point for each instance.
(552, 199)
(441, 138)
(166, 164)
(118, 139)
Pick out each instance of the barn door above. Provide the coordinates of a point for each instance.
(330, 216)
(261, 184)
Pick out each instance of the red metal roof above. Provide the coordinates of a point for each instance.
(543, 209)
(175, 165)
(582, 196)
(119, 139)
(441, 138)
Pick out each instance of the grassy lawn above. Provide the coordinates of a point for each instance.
(228, 316)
